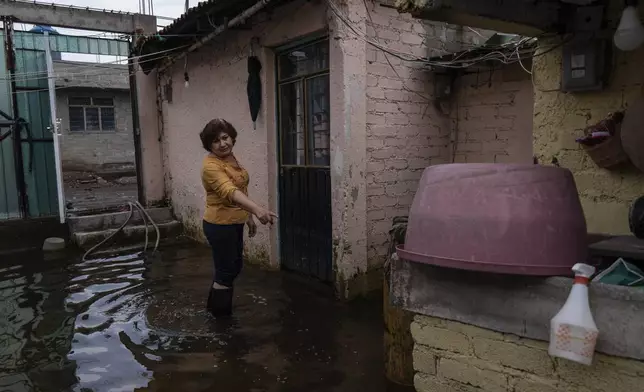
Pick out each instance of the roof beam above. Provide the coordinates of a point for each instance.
(83, 18)
(524, 17)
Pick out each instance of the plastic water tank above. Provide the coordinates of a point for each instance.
(503, 218)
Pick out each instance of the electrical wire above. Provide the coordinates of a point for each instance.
(457, 62)
(100, 70)
(145, 216)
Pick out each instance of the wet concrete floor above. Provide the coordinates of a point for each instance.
(138, 324)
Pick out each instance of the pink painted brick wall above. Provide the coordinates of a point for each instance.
(405, 133)
(492, 116)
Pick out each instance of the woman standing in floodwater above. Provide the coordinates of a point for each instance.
(228, 209)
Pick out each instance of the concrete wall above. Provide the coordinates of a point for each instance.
(452, 356)
(87, 150)
(492, 116)
(560, 118)
(71, 74)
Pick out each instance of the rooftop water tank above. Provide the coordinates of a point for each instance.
(503, 218)
(38, 29)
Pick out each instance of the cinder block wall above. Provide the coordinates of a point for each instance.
(451, 356)
(89, 150)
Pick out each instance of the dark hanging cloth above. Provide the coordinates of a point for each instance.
(254, 87)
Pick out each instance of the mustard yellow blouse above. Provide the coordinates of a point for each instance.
(221, 179)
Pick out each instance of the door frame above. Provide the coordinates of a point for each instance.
(276, 52)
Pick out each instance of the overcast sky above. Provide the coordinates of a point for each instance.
(165, 8)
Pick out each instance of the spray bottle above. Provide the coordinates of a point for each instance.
(573, 332)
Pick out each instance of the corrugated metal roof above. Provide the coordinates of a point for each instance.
(197, 22)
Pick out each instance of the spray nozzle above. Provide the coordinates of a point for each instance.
(583, 270)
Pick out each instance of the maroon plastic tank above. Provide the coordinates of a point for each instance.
(513, 219)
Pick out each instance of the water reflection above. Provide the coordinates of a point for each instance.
(131, 323)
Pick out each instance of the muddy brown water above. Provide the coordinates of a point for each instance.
(133, 323)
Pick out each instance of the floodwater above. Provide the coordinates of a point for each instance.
(138, 324)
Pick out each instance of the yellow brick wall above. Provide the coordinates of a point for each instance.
(560, 118)
(455, 357)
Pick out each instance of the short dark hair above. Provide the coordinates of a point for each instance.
(213, 129)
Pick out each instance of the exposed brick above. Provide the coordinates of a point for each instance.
(388, 83)
(411, 39)
(373, 143)
(375, 92)
(424, 360)
(495, 146)
(439, 338)
(388, 35)
(397, 95)
(383, 201)
(375, 215)
(385, 107)
(401, 25)
(487, 380)
(410, 108)
(428, 383)
(376, 119)
(374, 167)
(525, 384)
(397, 164)
(395, 141)
(382, 154)
(514, 355)
(470, 147)
(482, 135)
(394, 212)
(375, 190)
(418, 163)
(396, 119)
(401, 188)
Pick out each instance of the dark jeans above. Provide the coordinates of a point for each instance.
(227, 242)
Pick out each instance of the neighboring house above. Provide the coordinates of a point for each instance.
(344, 131)
(94, 106)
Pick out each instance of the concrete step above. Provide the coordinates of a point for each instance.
(130, 235)
(114, 220)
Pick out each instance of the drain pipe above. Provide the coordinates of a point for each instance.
(202, 41)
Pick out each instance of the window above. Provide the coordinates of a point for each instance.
(304, 105)
(91, 114)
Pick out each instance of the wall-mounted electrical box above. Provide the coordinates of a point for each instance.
(584, 65)
(585, 57)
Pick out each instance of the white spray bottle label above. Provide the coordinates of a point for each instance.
(573, 332)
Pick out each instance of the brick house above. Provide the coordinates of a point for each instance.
(94, 106)
(345, 128)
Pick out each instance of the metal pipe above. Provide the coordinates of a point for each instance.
(202, 41)
(51, 82)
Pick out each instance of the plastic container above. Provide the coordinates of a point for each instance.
(573, 332)
(515, 219)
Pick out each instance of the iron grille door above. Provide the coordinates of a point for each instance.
(305, 181)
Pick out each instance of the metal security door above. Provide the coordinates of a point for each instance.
(9, 193)
(31, 92)
(305, 182)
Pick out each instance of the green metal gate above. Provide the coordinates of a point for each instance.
(28, 185)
